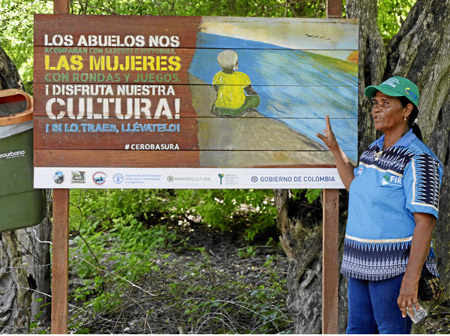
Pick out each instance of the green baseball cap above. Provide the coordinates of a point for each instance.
(396, 87)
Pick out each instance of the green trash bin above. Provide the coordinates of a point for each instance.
(20, 205)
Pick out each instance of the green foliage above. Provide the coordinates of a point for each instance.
(127, 245)
(262, 313)
(249, 211)
(252, 211)
(391, 15)
(231, 305)
(247, 252)
(16, 33)
(310, 194)
(124, 240)
(312, 9)
(35, 324)
(109, 208)
(184, 7)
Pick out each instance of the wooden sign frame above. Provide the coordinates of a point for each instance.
(161, 103)
(61, 237)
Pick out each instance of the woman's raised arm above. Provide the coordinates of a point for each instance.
(343, 165)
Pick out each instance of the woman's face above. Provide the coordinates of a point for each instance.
(388, 113)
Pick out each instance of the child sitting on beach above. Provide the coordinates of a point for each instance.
(235, 94)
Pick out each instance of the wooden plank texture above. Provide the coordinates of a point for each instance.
(86, 67)
(117, 27)
(178, 101)
(98, 135)
(314, 33)
(184, 159)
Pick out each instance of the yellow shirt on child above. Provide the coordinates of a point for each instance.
(231, 93)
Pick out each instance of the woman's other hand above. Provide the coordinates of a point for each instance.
(420, 248)
(408, 295)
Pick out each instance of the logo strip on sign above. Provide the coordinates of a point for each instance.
(182, 178)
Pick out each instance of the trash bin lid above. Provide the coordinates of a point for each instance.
(16, 107)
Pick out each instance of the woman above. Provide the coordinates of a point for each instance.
(393, 207)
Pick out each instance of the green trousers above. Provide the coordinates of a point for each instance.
(251, 102)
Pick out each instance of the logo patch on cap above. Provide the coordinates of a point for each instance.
(410, 93)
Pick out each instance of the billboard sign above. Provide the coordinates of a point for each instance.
(192, 102)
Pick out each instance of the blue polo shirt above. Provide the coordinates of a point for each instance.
(389, 187)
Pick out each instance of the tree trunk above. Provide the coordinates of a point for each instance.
(24, 260)
(36, 257)
(9, 77)
(15, 297)
(303, 249)
(301, 238)
(420, 51)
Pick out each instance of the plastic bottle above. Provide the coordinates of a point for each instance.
(418, 315)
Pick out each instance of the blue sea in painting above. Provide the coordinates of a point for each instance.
(296, 87)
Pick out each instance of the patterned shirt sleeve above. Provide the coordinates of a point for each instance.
(422, 180)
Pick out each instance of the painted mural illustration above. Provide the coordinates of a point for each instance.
(293, 79)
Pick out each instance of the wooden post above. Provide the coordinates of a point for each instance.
(334, 8)
(60, 246)
(61, 6)
(330, 244)
(330, 261)
(60, 261)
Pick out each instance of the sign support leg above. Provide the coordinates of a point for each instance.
(60, 240)
(61, 6)
(330, 247)
(330, 261)
(60, 262)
